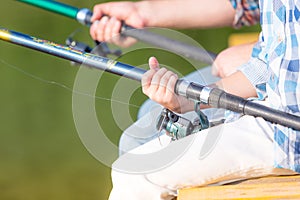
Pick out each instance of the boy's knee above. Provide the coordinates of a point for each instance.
(230, 59)
(220, 64)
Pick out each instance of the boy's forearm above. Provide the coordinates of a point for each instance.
(237, 84)
(186, 14)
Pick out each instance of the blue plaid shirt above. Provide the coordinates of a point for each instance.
(246, 12)
(274, 70)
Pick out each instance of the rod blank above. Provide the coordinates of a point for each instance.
(54, 6)
(65, 52)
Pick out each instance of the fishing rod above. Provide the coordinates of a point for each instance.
(212, 96)
(84, 15)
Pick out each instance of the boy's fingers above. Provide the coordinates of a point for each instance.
(146, 80)
(93, 30)
(101, 28)
(108, 29)
(171, 85)
(166, 78)
(164, 82)
(100, 10)
(97, 13)
(157, 77)
(153, 63)
(116, 28)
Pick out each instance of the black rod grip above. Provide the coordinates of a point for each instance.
(175, 46)
(272, 115)
(220, 99)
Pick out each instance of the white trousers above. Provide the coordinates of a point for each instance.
(233, 151)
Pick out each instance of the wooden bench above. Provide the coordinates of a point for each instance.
(281, 187)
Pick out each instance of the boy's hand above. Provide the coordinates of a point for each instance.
(159, 83)
(107, 22)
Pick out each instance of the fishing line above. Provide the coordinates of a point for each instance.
(50, 82)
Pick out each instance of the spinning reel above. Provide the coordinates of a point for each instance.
(177, 126)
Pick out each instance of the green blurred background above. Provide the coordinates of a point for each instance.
(41, 155)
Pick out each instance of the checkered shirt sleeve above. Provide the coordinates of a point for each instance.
(247, 12)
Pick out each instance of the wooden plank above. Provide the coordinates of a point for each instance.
(242, 38)
(286, 187)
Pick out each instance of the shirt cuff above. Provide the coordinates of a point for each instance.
(256, 71)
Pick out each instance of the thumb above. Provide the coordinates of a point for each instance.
(153, 63)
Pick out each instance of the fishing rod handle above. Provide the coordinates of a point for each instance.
(221, 99)
(218, 98)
